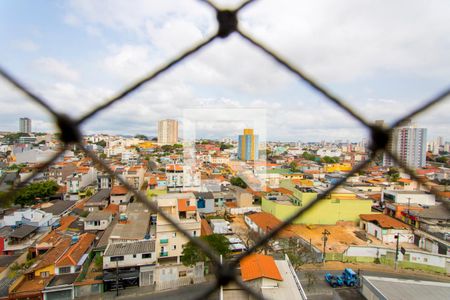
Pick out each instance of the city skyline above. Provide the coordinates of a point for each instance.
(362, 60)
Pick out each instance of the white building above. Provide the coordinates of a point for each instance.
(409, 197)
(409, 144)
(167, 132)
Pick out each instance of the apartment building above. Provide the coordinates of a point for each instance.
(167, 132)
(169, 241)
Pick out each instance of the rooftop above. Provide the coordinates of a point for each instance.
(390, 288)
(98, 215)
(76, 251)
(58, 207)
(384, 221)
(23, 231)
(130, 248)
(100, 196)
(256, 266)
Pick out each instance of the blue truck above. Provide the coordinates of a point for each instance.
(350, 277)
(334, 280)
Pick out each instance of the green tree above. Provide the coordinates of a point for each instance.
(293, 167)
(101, 143)
(141, 137)
(442, 159)
(224, 146)
(308, 156)
(237, 181)
(393, 174)
(102, 155)
(192, 254)
(42, 190)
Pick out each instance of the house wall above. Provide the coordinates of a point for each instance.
(89, 225)
(209, 206)
(325, 211)
(129, 261)
(72, 270)
(118, 199)
(50, 269)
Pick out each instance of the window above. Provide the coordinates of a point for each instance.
(194, 233)
(174, 234)
(174, 247)
(45, 274)
(64, 270)
(117, 258)
(134, 255)
(182, 274)
(147, 255)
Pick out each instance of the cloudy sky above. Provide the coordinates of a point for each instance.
(383, 58)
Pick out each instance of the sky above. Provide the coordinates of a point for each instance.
(383, 58)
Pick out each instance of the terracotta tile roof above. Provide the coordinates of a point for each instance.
(405, 180)
(119, 190)
(174, 167)
(205, 228)
(65, 222)
(256, 266)
(76, 251)
(384, 221)
(52, 255)
(83, 170)
(182, 206)
(264, 220)
(231, 204)
(152, 180)
(284, 191)
(112, 208)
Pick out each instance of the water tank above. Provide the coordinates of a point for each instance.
(75, 239)
(123, 217)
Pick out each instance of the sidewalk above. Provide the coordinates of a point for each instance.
(136, 292)
(337, 265)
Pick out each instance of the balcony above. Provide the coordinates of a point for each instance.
(164, 254)
(164, 241)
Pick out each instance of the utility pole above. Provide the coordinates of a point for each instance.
(325, 238)
(117, 278)
(396, 251)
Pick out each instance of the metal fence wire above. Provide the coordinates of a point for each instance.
(228, 24)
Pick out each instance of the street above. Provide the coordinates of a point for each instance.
(322, 290)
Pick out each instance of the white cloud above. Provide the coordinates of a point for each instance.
(56, 68)
(27, 45)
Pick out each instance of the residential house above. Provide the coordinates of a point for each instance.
(120, 195)
(98, 220)
(205, 202)
(133, 262)
(98, 201)
(133, 225)
(169, 242)
(272, 279)
(386, 228)
(79, 180)
(72, 260)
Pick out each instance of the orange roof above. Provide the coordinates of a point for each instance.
(119, 190)
(65, 222)
(405, 180)
(152, 180)
(83, 170)
(76, 251)
(182, 206)
(53, 254)
(205, 228)
(256, 266)
(231, 204)
(264, 220)
(384, 221)
(112, 208)
(284, 191)
(174, 167)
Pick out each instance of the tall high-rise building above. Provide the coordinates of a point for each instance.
(248, 146)
(409, 144)
(25, 125)
(167, 132)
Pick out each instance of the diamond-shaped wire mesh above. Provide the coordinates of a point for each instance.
(225, 272)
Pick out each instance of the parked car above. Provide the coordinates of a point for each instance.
(350, 277)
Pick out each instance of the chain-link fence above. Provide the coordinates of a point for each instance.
(228, 24)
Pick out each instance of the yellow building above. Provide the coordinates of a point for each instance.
(337, 167)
